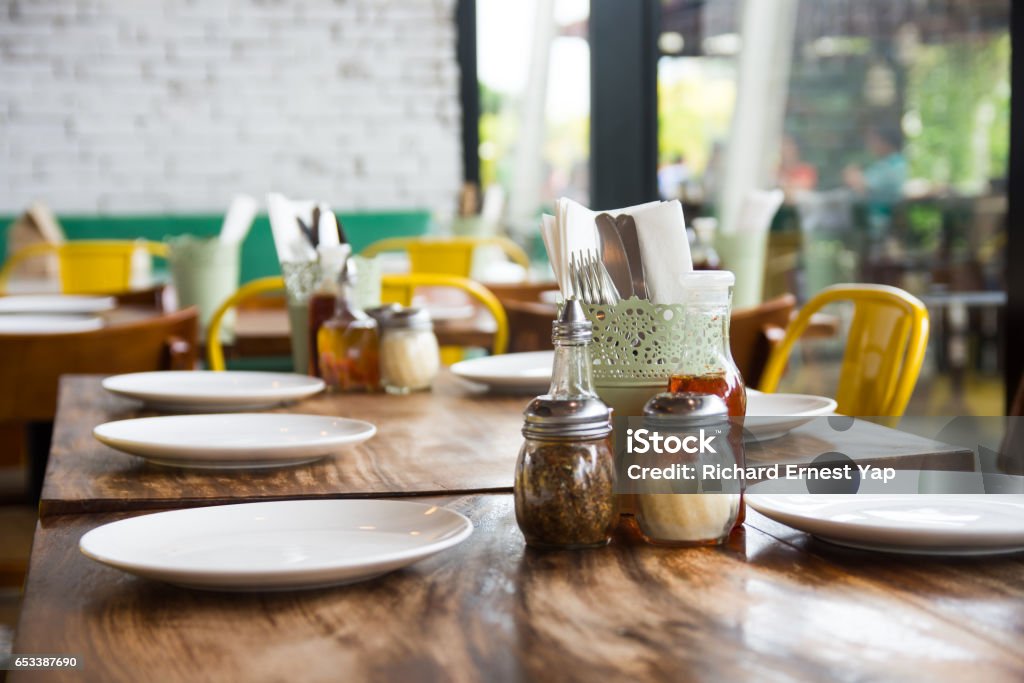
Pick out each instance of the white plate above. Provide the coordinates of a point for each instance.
(511, 371)
(770, 416)
(48, 324)
(921, 524)
(234, 440)
(279, 545)
(208, 391)
(56, 303)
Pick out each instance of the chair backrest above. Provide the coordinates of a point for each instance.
(529, 324)
(885, 348)
(89, 266)
(446, 255)
(750, 334)
(394, 289)
(31, 364)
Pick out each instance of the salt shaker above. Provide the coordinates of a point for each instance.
(409, 354)
(700, 509)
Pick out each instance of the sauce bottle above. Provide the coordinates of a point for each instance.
(706, 365)
(348, 342)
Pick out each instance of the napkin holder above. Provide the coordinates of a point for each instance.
(636, 346)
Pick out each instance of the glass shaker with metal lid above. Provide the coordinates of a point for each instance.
(700, 505)
(409, 354)
(565, 475)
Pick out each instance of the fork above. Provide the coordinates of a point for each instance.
(590, 280)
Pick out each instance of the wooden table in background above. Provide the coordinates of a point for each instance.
(265, 332)
(772, 605)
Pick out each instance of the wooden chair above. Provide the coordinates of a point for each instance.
(754, 331)
(885, 348)
(32, 364)
(529, 325)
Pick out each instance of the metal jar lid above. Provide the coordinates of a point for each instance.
(382, 313)
(407, 319)
(572, 324)
(685, 409)
(580, 418)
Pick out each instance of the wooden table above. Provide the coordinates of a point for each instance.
(771, 605)
(265, 332)
(475, 451)
(454, 439)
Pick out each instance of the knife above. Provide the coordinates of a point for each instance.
(631, 244)
(613, 255)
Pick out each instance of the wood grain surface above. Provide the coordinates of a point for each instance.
(772, 605)
(453, 439)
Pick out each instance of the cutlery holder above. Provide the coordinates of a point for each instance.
(636, 346)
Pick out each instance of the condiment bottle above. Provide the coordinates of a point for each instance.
(347, 342)
(701, 508)
(409, 354)
(323, 301)
(565, 476)
(706, 365)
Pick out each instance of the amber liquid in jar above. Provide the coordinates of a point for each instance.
(729, 387)
(349, 358)
(321, 309)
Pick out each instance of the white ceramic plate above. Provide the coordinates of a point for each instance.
(56, 303)
(234, 440)
(510, 372)
(770, 416)
(285, 545)
(209, 391)
(48, 324)
(918, 524)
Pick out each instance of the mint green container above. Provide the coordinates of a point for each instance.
(205, 273)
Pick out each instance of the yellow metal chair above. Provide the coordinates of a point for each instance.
(446, 255)
(394, 289)
(884, 348)
(88, 266)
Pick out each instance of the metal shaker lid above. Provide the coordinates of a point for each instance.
(572, 324)
(685, 409)
(407, 319)
(586, 417)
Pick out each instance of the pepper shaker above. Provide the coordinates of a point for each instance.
(565, 475)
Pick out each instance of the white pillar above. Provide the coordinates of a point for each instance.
(767, 30)
(528, 169)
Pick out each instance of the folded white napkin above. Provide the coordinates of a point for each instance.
(289, 242)
(664, 250)
(758, 210)
(573, 230)
(238, 220)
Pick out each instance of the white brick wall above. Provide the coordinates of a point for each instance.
(126, 106)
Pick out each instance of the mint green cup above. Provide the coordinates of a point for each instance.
(744, 254)
(205, 274)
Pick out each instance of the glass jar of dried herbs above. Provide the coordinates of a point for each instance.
(565, 476)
